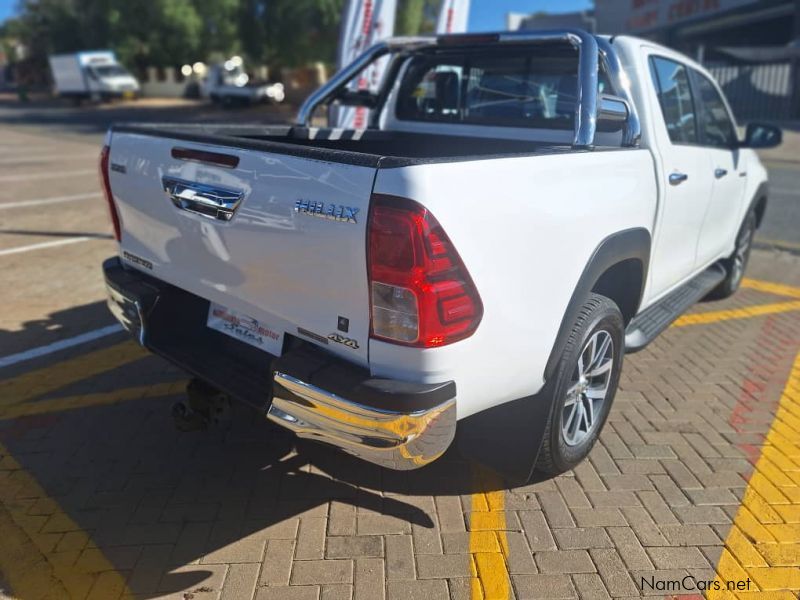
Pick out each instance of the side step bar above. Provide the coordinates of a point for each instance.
(645, 326)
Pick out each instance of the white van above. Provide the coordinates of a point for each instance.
(92, 75)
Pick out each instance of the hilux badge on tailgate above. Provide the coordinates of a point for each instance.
(333, 212)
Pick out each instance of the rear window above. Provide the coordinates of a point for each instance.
(527, 87)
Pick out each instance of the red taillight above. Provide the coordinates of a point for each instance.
(422, 295)
(106, 184)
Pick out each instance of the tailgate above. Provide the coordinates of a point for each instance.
(280, 237)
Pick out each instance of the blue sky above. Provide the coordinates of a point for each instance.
(7, 7)
(485, 15)
(490, 15)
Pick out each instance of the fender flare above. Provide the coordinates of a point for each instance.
(761, 193)
(624, 245)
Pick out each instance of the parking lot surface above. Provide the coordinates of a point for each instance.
(695, 482)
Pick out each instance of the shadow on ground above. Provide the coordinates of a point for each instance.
(157, 501)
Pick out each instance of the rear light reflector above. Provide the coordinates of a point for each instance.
(106, 185)
(422, 294)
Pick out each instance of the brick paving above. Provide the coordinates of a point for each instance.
(107, 500)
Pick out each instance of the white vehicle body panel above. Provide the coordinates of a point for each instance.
(288, 269)
(686, 210)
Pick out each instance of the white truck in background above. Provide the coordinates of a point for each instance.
(523, 210)
(229, 84)
(92, 75)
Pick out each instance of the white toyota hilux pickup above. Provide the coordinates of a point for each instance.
(523, 209)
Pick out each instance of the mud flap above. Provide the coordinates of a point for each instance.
(507, 438)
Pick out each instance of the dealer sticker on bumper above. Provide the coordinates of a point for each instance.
(245, 329)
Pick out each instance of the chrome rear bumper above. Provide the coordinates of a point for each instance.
(127, 311)
(396, 424)
(396, 440)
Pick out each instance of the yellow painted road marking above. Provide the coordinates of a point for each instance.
(748, 312)
(779, 289)
(98, 399)
(48, 379)
(764, 541)
(488, 544)
(736, 313)
(39, 552)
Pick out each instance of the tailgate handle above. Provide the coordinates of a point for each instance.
(209, 201)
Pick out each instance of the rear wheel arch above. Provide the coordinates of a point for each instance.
(623, 283)
(621, 254)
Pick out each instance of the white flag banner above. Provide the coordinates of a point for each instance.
(365, 23)
(453, 16)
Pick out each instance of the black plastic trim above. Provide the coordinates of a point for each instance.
(224, 136)
(250, 137)
(350, 382)
(761, 193)
(624, 245)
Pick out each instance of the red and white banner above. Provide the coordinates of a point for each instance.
(365, 22)
(453, 16)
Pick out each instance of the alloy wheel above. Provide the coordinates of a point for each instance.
(588, 389)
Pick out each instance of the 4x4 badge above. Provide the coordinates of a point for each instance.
(340, 339)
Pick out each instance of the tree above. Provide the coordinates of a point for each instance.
(173, 32)
(297, 32)
(415, 17)
(220, 24)
(142, 32)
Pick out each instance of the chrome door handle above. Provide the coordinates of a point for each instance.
(210, 201)
(720, 173)
(677, 178)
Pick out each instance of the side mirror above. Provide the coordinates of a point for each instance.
(612, 113)
(761, 135)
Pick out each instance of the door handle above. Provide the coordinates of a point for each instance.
(677, 178)
(209, 201)
(719, 173)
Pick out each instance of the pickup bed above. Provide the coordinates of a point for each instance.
(523, 210)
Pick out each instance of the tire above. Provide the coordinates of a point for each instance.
(576, 396)
(736, 263)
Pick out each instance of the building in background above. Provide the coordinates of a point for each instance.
(692, 26)
(583, 19)
(751, 46)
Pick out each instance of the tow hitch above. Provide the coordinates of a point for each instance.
(204, 406)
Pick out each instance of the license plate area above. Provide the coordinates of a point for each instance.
(244, 328)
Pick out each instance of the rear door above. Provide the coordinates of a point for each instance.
(280, 237)
(718, 136)
(686, 175)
